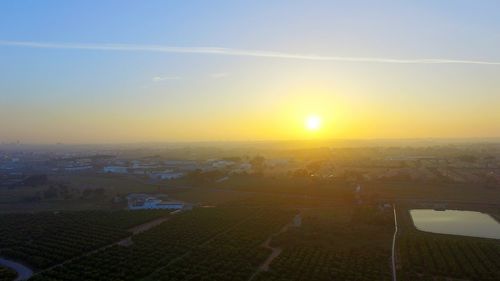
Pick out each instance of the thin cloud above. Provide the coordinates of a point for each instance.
(240, 53)
(219, 75)
(165, 78)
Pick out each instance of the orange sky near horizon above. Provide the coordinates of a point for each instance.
(244, 71)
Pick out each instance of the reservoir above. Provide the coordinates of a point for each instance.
(466, 223)
(23, 272)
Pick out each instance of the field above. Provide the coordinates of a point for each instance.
(390, 190)
(245, 236)
(233, 255)
(47, 238)
(201, 233)
(339, 243)
(21, 198)
(429, 256)
(236, 187)
(205, 196)
(114, 184)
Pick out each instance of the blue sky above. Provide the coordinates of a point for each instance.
(94, 95)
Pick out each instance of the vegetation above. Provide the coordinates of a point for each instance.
(7, 274)
(336, 240)
(47, 238)
(335, 244)
(153, 249)
(233, 255)
(315, 264)
(426, 256)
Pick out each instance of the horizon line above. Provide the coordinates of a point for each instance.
(237, 52)
(380, 139)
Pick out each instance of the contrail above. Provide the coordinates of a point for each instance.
(237, 52)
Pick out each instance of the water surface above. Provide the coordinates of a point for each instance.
(467, 223)
(23, 272)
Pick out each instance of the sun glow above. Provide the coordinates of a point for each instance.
(313, 123)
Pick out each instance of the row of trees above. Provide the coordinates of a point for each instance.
(322, 264)
(334, 244)
(152, 249)
(426, 255)
(45, 239)
(65, 192)
(234, 255)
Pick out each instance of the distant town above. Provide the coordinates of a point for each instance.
(471, 163)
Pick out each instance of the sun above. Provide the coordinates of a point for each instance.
(313, 123)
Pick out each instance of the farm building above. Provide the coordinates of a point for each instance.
(144, 202)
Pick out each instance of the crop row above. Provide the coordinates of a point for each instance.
(427, 255)
(319, 264)
(150, 250)
(231, 256)
(45, 239)
(355, 248)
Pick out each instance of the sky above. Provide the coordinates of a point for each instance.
(154, 71)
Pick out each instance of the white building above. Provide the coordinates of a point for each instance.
(78, 168)
(145, 166)
(242, 168)
(115, 169)
(297, 221)
(222, 164)
(154, 203)
(167, 175)
(181, 165)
